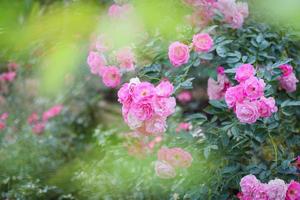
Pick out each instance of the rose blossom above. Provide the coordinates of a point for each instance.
(242, 7)
(125, 58)
(124, 94)
(234, 95)
(143, 110)
(248, 184)
(266, 106)
(244, 72)
(52, 112)
(164, 170)
(142, 91)
(156, 125)
(184, 126)
(164, 106)
(8, 76)
(184, 96)
(96, 62)
(254, 88)
(111, 76)
(4, 116)
(176, 157)
(33, 118)
(216, 89)
(293, 191)
(276, 189)
(261, 192)
(178, 54)
(39, 128)
(289, 83)
(164, 88)
(286, 69)
(247, 112)
(132, 120)
(202, 42)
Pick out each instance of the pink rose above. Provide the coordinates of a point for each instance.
(276, 189)
(216, 89)
(164, 106)
(164, 170)
(202, 42)
(177, 157)
(254, 88)
(164, 89)
(289, 83)
(184, 126)
(143, 110)
(8, 76)
(261, 192)
(52, 112)
(124, 94)
(220, 70)
(111, 76)
(185, 97)
(156, 125)
(244, 72)
(242, 8)
(248, 185)
(293, 191)
(96, 62)
(286, 69)
(266, 106)
(132, 120)
(234, 95)
(143, 90)
(33, 118)
(125, 58)
(4, 116)
(247, 112)
(178, 54)
(39, 128)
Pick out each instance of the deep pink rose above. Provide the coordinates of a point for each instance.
(39, 128)
(52, 112)
(286, 69)
(179, 54)
(254, 88)
(289, 83)
(293, 191)
(202, 42)
(247, 112)
(8, 76)
(234, 95)
(244, 72)
(111, 76)
(96, 62)
(164, 88)
(266, 106)
(164, 170)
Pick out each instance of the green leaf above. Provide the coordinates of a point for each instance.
(290, 103)
(217, 104)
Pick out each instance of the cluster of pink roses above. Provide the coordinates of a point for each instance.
(253, 189)
(216, 89)
(234, 13)
(38, 125)
(146, 107)
(3, 118)
(169, 159)
(179, 53)
(288, 80)
(247, 98)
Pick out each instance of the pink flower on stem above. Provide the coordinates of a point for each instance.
(185, 97)
(164, 170)
(164, 88)
(216, 89)
(254, 88)
(96, 62)
(234, 95)
(164, 106)
(248, 185)
(247, 112)
(8, 76)
(125, 58)
(244, 72)
(286, 69)
(52, 112)
(111, 76)
(184, 126)
(277, 189)
(179, 54)
(143, 110)
(142, 91)
(289, 83)
(202, 42)
(266, 106)
(293, 191)
(156, 125)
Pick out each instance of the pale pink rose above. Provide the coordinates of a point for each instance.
(178, 54)
(234, 95)
(33, 118)
(289, 83)
(185, 97)
(164, 106)
(202, 42)
(39, 128)
(133, 121)
(242, 7)
(164, 170)
(254, 88)
(247, 112)
(52, 112)
(143, 110)
(164, 89)
(266, 106)
(286, 69)
(111, 76)
(143, 90)
(8, 76)
(248, 185)
(126, 59)
(277, 189)
(216, 89)
(261, 192)
(244, 72)
(293, 191)
(184, 126)
(177, 157)
(96, 62)
(156, 125)
(4, 116)
(162, 154)
(236, 20)
(124, 95)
